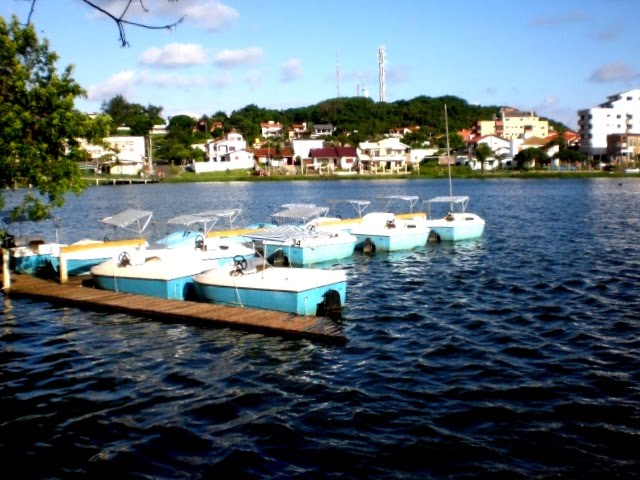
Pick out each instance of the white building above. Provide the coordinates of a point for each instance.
(301, 148)
(229, 153)
(120, 155)
(498, 145)
(270, 129)
(619, 114)
(388, 154)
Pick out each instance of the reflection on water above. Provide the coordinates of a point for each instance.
(515, 355)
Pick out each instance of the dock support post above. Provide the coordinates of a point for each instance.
(64, 275)
(6, 272)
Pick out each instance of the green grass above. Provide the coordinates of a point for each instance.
(425, 172)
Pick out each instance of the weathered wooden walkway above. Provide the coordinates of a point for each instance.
(81, 294)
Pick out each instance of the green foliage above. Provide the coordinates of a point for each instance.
(482, 152)
(39, 125)
(569, 156)
(530, 155)
(139, 119)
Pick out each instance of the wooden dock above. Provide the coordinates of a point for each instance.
(81, 293)
(120, 180)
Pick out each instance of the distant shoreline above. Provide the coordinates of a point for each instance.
(241, 176)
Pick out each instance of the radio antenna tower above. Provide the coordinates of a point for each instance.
(382, 60)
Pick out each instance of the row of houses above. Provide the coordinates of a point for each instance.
(231, 153)
(610, 130)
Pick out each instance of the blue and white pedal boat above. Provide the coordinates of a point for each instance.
(457, 224)
(80, 256)
(297, 242)
(299, 291)
(28, 253)
(389, 232)
(193, 229)
(166, 273)
(299, 246)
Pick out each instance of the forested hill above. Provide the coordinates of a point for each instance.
(368, 118)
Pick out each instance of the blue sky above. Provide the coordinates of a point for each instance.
(553, 57)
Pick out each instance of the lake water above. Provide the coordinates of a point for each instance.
(514, 356)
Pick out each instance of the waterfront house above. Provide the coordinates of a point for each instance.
(623, 148)
(228, 153)
(120, 155)
(386, 155)
(329, 159)
(273, 157)
(498, 145)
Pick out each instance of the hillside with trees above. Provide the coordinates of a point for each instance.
(355, 119)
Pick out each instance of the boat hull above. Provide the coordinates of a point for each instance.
(31, 259)
(180, 288)
(81, 256)
(293, 290)
(164, 273)
(300, 256)
(386, 232)
(464, 226)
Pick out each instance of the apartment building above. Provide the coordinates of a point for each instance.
(620, 114)
(512, 123)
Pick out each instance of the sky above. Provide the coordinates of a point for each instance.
(553, 57)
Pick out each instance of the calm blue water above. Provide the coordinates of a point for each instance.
(515, 356)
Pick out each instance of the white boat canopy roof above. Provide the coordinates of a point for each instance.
(208, 219)
(132, 220)
(461, 200)
(359, 205)
(7, 218)
(412, 200)
(300, 212)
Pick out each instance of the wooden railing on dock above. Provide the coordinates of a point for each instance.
(81, 294)
(120, 180)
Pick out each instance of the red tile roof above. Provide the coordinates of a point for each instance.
(333, 152)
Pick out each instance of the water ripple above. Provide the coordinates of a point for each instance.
(513, 356)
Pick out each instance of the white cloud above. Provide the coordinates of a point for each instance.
(174, 55)
(613, 72)
(291, 70)
(612, 33)
(559, 20)
(208, 14)
(233, 58)
(121, 83)
(124, 83)
(172, 80)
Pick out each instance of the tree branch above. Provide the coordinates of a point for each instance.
(120, 20)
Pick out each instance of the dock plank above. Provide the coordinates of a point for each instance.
(80, 293)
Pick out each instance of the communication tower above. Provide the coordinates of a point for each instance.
(382, 60)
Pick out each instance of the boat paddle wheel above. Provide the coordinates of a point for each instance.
(433, 237)
(331, 306)
(279, 259)
(368, 247)
(124, 259)
(199, 243)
